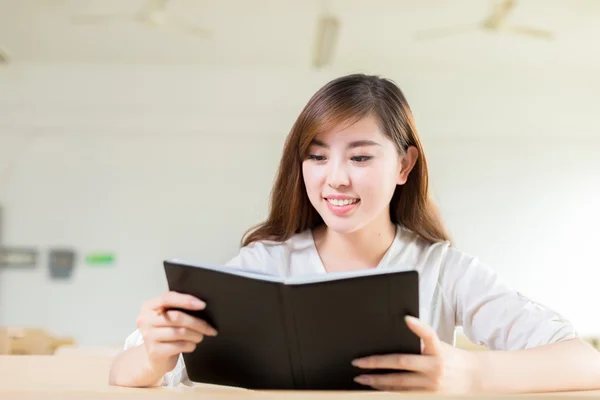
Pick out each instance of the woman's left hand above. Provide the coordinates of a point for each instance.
(441, 367)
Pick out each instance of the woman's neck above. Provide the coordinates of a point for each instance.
(353, 251)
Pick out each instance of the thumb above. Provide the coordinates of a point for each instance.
(430, 344)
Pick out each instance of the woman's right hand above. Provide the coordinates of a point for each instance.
(168, 333)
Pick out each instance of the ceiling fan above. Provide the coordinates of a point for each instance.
(3, 56)
(495, 22)
(152, 14)
(327, 36)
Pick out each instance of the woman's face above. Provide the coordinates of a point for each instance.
(351, 173)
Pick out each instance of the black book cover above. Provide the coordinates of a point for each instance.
(297, 333)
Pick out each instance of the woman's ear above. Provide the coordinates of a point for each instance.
(407, 162)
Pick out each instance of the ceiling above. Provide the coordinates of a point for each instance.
(282, 33)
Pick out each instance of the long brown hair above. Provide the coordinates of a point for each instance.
(349, 98)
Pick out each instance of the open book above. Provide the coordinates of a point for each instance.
(295, 333)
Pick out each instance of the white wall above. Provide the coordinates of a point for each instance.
(163, 161)
(529, 209)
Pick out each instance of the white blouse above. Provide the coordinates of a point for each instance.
(456, 289)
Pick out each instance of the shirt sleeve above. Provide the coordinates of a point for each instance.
(176, 376)
(495, 315)
(261, 257)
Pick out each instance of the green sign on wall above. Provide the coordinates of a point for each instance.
(100, 259)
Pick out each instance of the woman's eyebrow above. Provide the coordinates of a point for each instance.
(361, 143)
(351, 145)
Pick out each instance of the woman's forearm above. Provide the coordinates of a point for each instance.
(131, 368)
(568, 365)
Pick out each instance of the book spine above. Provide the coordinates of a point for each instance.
(291, 333)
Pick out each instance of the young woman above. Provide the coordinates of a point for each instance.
(352, 193)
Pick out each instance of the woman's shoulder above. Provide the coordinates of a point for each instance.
(441, 257)
(413, 247)
(272, 256)
(297, 242)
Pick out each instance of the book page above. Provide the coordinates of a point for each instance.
(246, 273)
(332, 276)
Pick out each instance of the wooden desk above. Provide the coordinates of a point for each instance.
(86, 377)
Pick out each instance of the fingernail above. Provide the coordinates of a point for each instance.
(213, 332)
(358, 362)
(411, 319)
(364, 379)
(198, 303)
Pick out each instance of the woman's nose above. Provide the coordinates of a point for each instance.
(337, 175)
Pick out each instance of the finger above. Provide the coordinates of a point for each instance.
(174, 334)
(397, 381)
(431, 342)
(408, 362)
(175, 300)
(180, 319)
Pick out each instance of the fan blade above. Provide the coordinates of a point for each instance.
(526, 30)
(499, 12)
(4, 56)
(327, 36)
(445, 32)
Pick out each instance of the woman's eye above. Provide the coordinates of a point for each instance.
(316, 157)
(361, 158)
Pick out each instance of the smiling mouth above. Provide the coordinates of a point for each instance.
(344, 202)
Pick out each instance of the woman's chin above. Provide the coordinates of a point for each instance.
(342, 225)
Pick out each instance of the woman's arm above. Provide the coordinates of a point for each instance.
(533, 347)
(563, 366)
(570, 365)
(132, 368)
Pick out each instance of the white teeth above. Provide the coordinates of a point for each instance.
(339, 202)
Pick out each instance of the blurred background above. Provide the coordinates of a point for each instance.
(132, 131)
